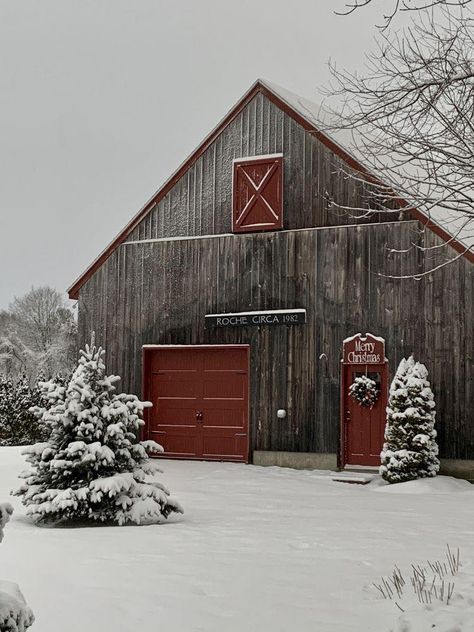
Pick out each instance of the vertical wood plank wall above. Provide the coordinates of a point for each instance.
(159, 292)
(200, 202)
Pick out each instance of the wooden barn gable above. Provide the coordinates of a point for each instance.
(197, 199)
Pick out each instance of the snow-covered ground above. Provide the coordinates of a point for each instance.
(258, 549)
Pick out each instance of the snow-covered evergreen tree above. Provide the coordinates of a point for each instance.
(18, 424)
(15, 615)
(26, 429)
(7, 408)
(410, 449)
(6, 511)
(93, 467)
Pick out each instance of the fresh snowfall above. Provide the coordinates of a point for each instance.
(15, 614)
(257, 549)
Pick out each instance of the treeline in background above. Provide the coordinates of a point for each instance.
(37, 343)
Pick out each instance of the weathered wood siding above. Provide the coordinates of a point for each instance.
(200, 203)
(159, 292)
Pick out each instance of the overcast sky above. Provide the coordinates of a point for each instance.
(102, 99)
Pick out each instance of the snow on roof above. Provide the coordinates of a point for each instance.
(363, 338)
(318, 115)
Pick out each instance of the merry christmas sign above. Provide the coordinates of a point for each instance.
(361, 349)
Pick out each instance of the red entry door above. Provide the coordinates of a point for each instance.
(200, 401)
(364, 427)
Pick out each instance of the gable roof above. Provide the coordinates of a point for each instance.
(305, 113)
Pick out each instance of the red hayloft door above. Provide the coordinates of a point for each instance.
(257, 194)
(200, 401)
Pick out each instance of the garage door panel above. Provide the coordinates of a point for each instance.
(224, 359)
(230, 385)
(224, 446)
(174, 374)
(174, 360)
(177, 444)
(223, 418)
(169, 416)
(180, 403)
(177, 384)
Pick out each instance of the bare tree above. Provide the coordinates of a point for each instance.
(39, 315)
(411, 116)
(399, 6)
(37, 333)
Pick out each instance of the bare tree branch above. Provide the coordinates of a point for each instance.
(400, 6)
(410, 116)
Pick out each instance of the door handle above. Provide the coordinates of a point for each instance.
(199, 415)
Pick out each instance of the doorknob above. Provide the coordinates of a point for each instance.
(199, 415)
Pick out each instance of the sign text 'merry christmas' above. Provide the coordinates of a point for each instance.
(364, 350)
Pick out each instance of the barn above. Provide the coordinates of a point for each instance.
(243, 301)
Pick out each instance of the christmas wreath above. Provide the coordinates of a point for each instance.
(364, 391)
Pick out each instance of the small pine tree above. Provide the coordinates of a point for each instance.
(93, 467)
(410, 449)
(15, 615)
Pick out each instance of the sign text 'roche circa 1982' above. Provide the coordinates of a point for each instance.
(254, 319)
(366, 349)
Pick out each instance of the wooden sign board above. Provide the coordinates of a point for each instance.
(361, 349)
(256, 319)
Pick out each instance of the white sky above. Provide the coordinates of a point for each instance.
(102, 99)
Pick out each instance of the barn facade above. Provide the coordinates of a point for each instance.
(242, 301)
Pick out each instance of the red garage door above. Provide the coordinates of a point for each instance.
(200, 401)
